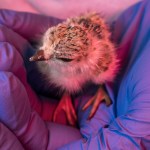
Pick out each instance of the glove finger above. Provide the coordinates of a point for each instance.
(26, 24)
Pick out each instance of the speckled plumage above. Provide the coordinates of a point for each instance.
(77, 51)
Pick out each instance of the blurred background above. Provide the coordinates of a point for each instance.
(62, 9)
(19, 5)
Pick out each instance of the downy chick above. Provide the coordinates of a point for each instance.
(74, 52)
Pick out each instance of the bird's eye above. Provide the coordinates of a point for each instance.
(65, 59)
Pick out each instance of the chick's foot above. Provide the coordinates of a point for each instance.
(66, 105)
(101, 95)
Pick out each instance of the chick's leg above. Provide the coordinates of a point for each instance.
(66, 105)
(95, 101)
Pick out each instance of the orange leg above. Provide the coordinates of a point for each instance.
(66, 105)
(100, 96)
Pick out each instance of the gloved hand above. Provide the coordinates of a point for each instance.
(21, 110)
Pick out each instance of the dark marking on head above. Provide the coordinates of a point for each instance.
(99, 36)
(52, 32)
(68, 28)
(86, 22)
(97, 30)
(78, 59)
(104, 68)
(96, 27)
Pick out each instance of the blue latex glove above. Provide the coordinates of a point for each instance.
(126, 124)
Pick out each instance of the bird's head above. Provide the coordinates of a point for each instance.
(79, 46)
(65, 43)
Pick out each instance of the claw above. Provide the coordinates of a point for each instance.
(100, 96)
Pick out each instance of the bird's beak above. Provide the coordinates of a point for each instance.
(39, 56)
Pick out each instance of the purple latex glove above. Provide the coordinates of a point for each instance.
(18, 101)
(8, 140)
